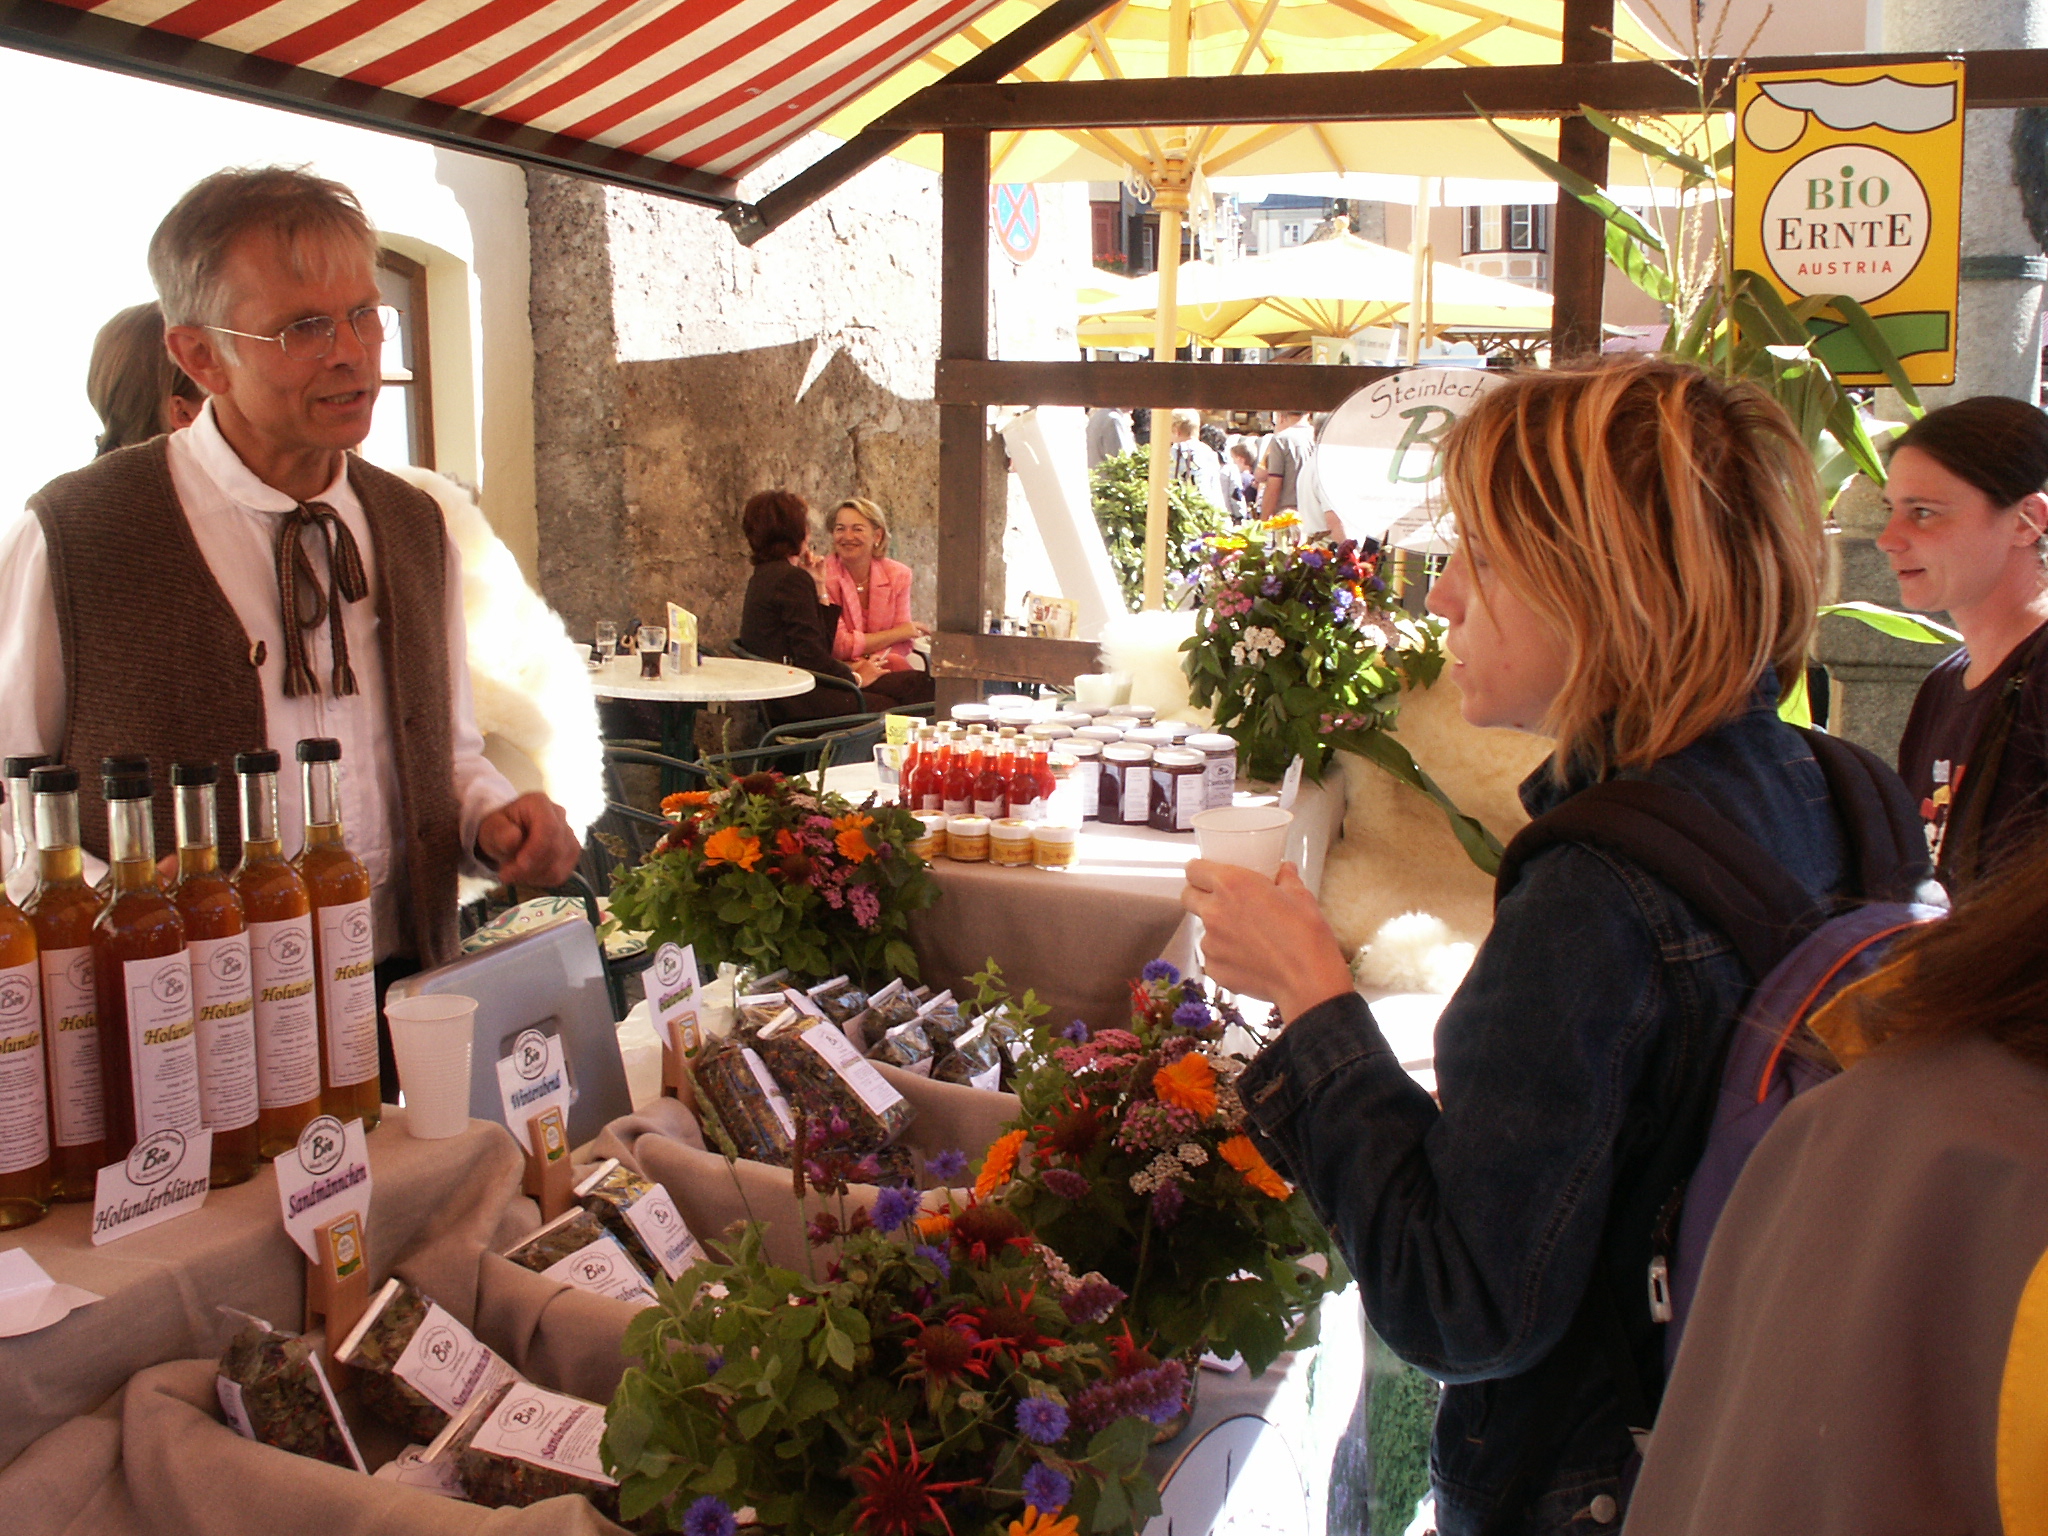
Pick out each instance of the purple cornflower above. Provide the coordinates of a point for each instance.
(1047, 1490)
(709, 1516)
(1041, 1420)
(1065, 1183)
(1076, 1032)
(947, 1165)
(1270, 586)
(1340, 601)
(1160, 970)
(1166, 1203)
(892, 1208)
(1193, 1014)
(938, 1258)
(1314, 559)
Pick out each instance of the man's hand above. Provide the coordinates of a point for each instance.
(529, 842)
(1265, 938)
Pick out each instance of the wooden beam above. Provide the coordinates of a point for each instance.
(963, 426)
(1019, 657)
(1203, 386)
(1578, 236)
(2010, 77)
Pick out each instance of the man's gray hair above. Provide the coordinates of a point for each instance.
(307, 214)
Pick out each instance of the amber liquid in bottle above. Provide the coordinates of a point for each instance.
(336, 878)
(278, 912)
(149, 1065)
(216, 936)
(25, 1117)
(62, 912)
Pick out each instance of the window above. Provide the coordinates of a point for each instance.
(1290, 234)
(402, 431)
(1513, 227)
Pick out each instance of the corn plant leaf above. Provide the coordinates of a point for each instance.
(1627, 253)
(1579, 186)
(1480, 845)
(1796, 707)
(1664, 154)
(1889, 621)
(1859, 321)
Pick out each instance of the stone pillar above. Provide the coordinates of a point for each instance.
(1998, 352)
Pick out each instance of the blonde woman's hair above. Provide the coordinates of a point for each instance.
(872, 513)
(1666, 524)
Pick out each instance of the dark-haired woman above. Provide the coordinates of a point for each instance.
(1965, 536)
(1868, 1349)
(790, 615)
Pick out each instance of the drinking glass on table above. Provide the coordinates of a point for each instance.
(607, 639)
(653, 642)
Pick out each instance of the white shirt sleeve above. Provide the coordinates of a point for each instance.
(479, 788)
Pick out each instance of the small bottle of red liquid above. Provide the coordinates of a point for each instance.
(931, 776)
(1031, 784)
(992, 784)
(960, 773)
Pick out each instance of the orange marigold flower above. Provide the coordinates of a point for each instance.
(687, 797)
(1244, 1157)
(1002, 1162)
(934, 1226)
(853, 845)
(1037, 1522)
(729, 845)
(1189, 1084)
(852, 821)
(786, 843)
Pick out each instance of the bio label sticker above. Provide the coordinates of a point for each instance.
(532, 1079)
(286, 982)
(24, 1102)
(346, 950)
(164, 1175)
(325, 1176)
(660, 1225)
(604, 1269)
(546, 1429)
(854, 1069)
(672, 999)
(223, 1011)
(71, 1033)
(230, 1395)
(163, 1053)
(447, 1365)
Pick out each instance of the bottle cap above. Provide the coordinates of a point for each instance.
(265, 761)
(54, 780)
(130, 783)
(319, 749)
(21, 767)
(195, 773)
(124, 764)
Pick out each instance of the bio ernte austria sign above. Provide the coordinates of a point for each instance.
(1849, 181)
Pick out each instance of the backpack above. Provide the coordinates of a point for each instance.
(1801, 955)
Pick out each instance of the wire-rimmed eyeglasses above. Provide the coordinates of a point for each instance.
(312, 338)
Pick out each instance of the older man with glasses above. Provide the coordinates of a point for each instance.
(248, 582)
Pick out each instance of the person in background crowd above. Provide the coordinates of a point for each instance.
(236, 629)
(1486, 1229)
(1868, 1348)
(1109, 433)
(791, 612)
(1195, 461)
(135, 389)
(1286, 452)
(873, 593)
(1217, 439)
(1241, 480)
(1968, 492)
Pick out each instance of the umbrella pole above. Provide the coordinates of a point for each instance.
(1171, 197)
(1418, 243)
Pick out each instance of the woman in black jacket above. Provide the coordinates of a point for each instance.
(788, 617)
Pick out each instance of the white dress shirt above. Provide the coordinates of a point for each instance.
(233, 516)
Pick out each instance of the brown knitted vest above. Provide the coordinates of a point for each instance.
(156, 661)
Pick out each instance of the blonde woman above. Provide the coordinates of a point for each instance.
(1637, 567)
(873, 593)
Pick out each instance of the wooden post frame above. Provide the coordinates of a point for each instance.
(963, 427)
(1578, 241)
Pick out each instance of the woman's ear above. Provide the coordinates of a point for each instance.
(2032, 520)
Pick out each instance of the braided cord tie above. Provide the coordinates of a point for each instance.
(305, 604)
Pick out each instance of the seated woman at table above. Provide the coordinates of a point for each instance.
(790, 613)
(874, 602)
(1600, 513)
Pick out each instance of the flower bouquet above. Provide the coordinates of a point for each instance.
(1298, 650)
(1131, 1161)
(780, 872)
(947, 1372)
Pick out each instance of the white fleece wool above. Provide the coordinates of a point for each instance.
(1147, 646)
(1414, 952)
(528, 678)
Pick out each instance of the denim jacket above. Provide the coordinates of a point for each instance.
(1474, 1229)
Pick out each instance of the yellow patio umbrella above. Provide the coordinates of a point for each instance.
(1184, 39)
(1333, 287)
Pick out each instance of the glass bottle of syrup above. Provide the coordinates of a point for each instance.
(21, 807)
(62, 912)
(960, 776)
(991, 784)
(24, 1085)
(344, 944)
(223, 1006)
(149, 1053)
(1027, 794)
(931, 775)
(284, 980)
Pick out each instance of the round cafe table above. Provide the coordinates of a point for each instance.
(715, 680)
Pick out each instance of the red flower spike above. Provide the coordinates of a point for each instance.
(897, 1497)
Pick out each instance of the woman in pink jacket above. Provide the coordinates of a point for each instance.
(874, 602)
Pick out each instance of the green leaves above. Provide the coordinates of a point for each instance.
(1889, 621)
(1480, 845)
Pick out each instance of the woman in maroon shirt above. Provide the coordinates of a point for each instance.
(1968, 492)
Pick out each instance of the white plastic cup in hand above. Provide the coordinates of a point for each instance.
(431, 1037)
(1249, 836)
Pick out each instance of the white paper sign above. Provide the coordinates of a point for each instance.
(1290, 786)
(447, 1365)
(672, 995)
(548, 1430)
(768, 1086)
(854, 1069)
(327, 1175)
(605, 1269)
(163, 1176)
(410, 1469)
(532, 1079)
(661, 1227)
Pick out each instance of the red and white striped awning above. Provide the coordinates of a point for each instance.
(687, 94)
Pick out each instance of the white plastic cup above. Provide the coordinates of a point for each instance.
(1249, 836)
(431, 1036)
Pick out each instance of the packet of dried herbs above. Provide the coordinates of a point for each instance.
(575, 1249)
(1008, 1040)
(975, 1060)
(825, 1076)
(841, 1000)
(889, 1006)
(522, 1444)
(757, 1010)
(416, 1365)
(639, 1213)
(738, 1089)
(941, 1019)
(906, 1046)
(274, 1390)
